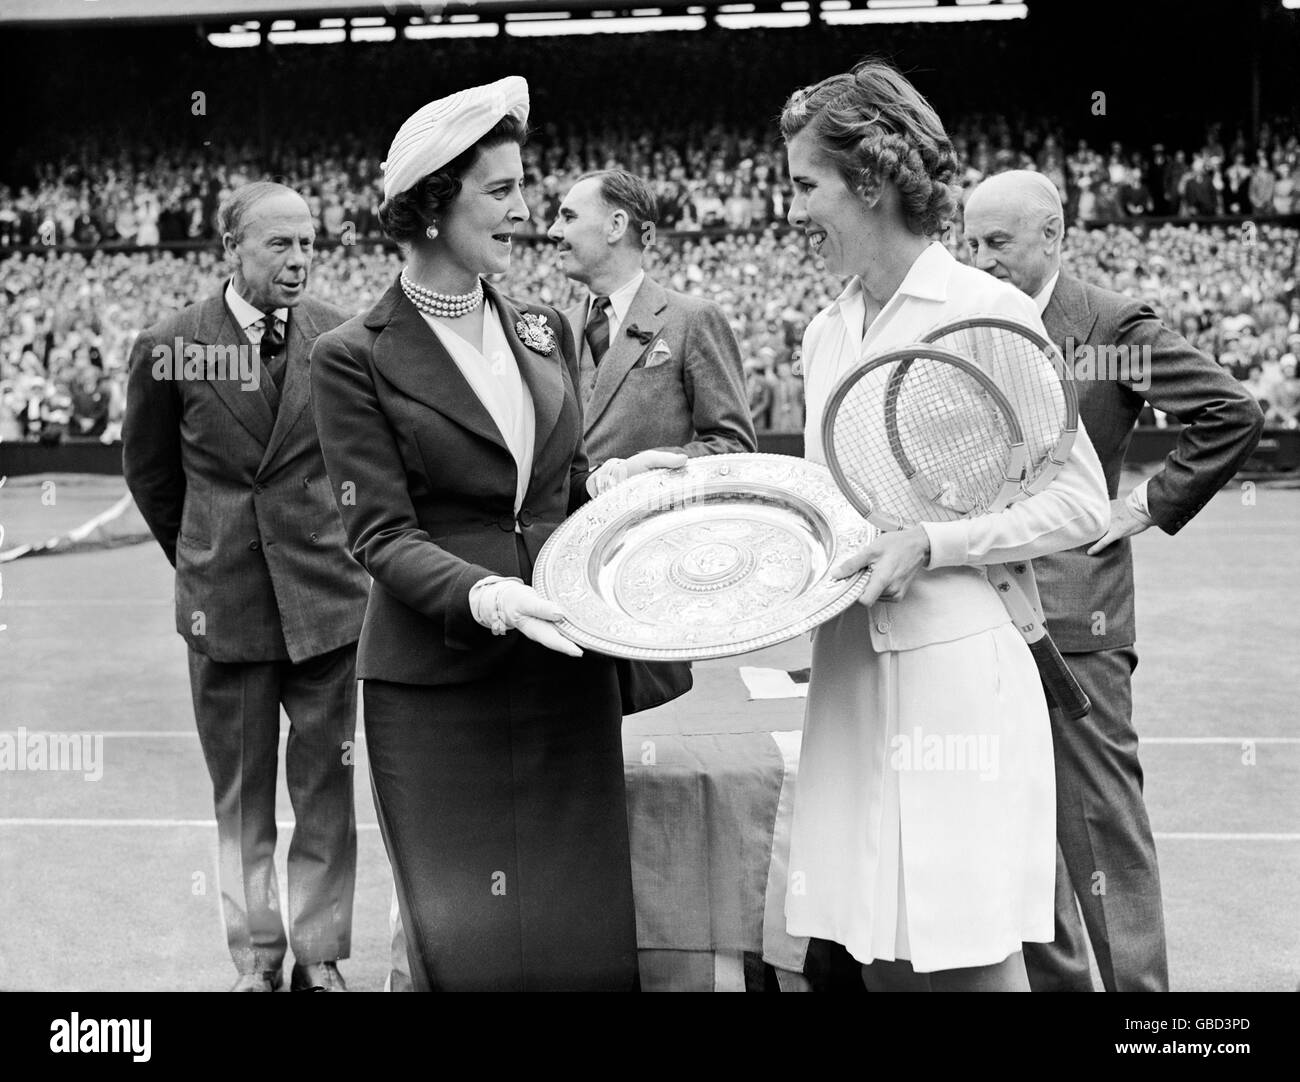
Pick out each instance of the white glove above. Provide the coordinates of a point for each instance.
(615, 471)
(509, 603)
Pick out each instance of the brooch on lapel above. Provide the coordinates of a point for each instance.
(641, 336)
(536, 334)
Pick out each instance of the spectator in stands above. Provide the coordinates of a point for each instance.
(758, 388)
(1283, 394)
(1284, 190)
(1199, 196)
(89, 404)
(787, 400)
(1134, 196)
(1238, 186)
(1175, 175)
(1160, 205)
(1262, 183)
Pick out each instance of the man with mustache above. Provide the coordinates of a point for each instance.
(228, 473)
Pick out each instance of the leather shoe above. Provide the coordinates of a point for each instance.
(270, 980)
(317, 977)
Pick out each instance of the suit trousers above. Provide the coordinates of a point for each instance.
(1106, 855)
(237, 708)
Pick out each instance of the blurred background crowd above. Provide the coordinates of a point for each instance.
(102, 231)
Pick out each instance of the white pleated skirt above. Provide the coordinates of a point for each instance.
(925, 806)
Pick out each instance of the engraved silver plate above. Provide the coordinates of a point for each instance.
(730, 553)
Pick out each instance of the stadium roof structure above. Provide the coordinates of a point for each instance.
(50, 13)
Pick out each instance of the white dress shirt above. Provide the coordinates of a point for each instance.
(953, 599)
(250, 318)
(1044, 295)
(619, 303)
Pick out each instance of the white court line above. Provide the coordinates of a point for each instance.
(288, 824)
(1219, 740)
(167, 734)
(1199, 836)
(206, 824)
(90, 601)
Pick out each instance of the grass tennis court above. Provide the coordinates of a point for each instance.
(111, 884)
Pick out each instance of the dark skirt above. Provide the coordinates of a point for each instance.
(502, 806)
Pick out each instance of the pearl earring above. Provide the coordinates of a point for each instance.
(431, 232)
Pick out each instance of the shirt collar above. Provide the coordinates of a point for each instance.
(245, 314)
(1044, 295)
(926, 278)
(621, 299)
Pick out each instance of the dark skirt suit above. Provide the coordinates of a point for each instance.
(497, 765)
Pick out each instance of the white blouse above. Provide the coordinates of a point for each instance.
(493, 375)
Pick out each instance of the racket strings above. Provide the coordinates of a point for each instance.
(1028, 375)
(921, 440)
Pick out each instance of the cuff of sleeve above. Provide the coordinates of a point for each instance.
(1137, 503)
(948, 543)
(476, 607)
(462, 630)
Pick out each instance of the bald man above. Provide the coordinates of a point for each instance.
(220, 452)
(1123, 357)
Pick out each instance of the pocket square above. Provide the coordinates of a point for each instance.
(659, 353)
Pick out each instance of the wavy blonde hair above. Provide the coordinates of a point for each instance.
(877, 128)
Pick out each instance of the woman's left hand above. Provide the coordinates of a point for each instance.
(617, 470)
(894, 558)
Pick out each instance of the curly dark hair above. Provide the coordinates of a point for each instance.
(877, 127)
(408, 214)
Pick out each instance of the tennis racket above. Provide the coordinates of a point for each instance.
(924, 434)
(1033, 375)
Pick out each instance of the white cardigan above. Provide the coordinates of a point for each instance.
(953, 598)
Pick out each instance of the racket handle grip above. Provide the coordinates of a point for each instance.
(1059, 683)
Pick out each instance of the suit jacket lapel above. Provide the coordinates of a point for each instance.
(541, 374)
(218, 327)
(412, 357)
(577, 317)
(624, 350)
(1067, 315)
(296, 392)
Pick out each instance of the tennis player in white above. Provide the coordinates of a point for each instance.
(924, 825)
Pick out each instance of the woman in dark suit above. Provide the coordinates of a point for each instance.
(453, 439)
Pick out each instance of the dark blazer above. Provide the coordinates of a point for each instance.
(433, 485)
(694, 402)
(1222, 427)
(239, 501)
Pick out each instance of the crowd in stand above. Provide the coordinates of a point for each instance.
(70, 318)
(109, 205)
(716, 179)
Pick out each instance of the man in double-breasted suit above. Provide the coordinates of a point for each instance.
(1122, 357)
(657, 369)
(221, 454)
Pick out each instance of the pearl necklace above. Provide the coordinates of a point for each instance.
(442, 305)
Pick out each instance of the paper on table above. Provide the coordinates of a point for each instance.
(773, 683)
